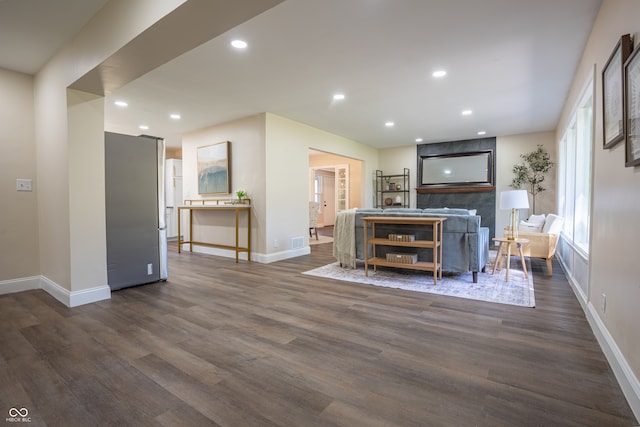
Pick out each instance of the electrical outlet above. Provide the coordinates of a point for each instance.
(149, 269)
(603, 303)
(275, 243)
(23, 184)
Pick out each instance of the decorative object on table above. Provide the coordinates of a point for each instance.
(514, 200)
(531, 172)
(613, 106)
(241, 194)
(402, 258)
(632, 109)
(213, 168)
(388, 201)
(402, 237)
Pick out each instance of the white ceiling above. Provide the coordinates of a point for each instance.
(510, 61)
(31, 31)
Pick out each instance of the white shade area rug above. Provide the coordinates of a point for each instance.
(321, 240)
(491, 288)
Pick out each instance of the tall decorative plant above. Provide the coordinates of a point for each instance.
(531, 171)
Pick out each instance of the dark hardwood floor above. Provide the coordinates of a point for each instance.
(251, 344)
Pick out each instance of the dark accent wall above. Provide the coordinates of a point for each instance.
(484, 202)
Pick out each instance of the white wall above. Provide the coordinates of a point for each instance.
(394, 160)
(287, 175)
(86, 190)
(508, 151)
(247, 137)
(19, 256)
(615, 239)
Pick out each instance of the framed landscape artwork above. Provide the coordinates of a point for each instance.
(632, 104)
(213, 169)
(613, 105)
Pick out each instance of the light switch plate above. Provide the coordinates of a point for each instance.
(23, 184)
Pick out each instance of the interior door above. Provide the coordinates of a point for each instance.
(327, 202)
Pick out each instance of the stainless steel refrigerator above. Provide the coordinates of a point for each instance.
(135, 210)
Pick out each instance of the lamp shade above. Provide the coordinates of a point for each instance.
(514, 199)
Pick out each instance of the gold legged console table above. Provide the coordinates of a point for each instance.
(236, 208)
(434, 265)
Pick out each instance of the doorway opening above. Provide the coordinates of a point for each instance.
(335, 183)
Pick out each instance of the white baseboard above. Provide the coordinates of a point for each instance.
(627, 380)
(257, 257)
(624, 374)
(19, 285)
(279, 256)
(66, 297)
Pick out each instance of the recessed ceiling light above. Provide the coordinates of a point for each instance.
(338, 96)
(439, 73)
(482, 132)
(121, 103)
(418, 139)
(389, 124)
(144, 127)
(467, 112)
(239, 44)
(175, 116)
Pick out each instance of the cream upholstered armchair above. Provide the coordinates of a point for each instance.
(313, 218)
(542, 233)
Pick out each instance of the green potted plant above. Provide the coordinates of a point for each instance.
(241, 194)
(530, 173)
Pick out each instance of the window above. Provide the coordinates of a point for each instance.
(574, 173)
(317, 188)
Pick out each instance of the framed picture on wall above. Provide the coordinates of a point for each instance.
(213, 168)
(632, 104)
(613, 106)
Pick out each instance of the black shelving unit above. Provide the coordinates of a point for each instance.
(392, 191)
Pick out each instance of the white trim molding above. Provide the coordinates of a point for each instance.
(19, 285)
(627, 380)
(624, 374)
(257, 257)
(66, 297)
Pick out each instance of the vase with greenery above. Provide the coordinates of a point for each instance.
(530, 173)
(241, 194)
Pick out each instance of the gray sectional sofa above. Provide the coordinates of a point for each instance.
(465, 242)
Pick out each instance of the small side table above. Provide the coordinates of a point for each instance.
(506, 242)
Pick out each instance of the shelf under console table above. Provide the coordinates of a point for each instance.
(434, 265)
(237, 208)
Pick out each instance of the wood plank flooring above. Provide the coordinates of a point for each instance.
(250, 344)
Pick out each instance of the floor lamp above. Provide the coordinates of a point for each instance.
(514, 200)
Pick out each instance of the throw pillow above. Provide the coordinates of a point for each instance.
(553, 224)
(530, 227)
(537, 219)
